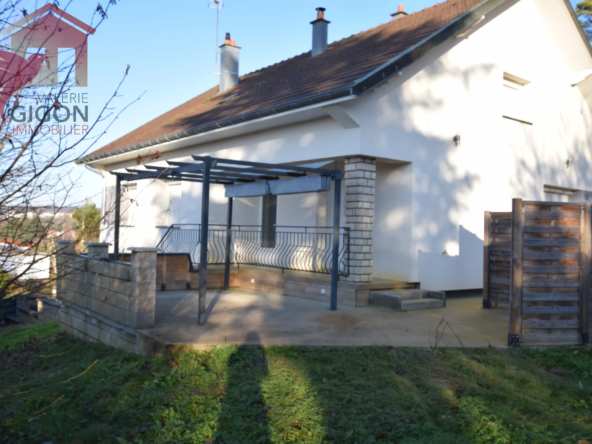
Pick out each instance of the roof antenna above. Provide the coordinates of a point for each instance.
(217, 5)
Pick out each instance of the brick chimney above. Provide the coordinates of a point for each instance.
(229, 53)
(400, 13)
(320, 33)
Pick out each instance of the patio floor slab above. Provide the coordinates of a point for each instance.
(234, 316)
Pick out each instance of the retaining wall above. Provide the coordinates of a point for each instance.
(105, 301)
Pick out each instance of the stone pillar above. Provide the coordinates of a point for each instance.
(143, 291)
(98, 250)
(64, 248)
(360, 182)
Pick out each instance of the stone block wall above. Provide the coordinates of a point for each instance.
(360, 183)
(106, 301)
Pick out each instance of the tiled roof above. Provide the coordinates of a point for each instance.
(344, 62)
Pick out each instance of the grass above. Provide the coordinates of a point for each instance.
(58, 389)
(13, 337)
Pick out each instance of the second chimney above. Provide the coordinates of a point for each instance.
(228, 64)
(320, 33)
(400, 13)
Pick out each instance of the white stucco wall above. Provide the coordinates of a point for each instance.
(392, 221)
(429, 210)
(461, 92)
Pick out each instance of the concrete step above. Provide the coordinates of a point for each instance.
(421, 304)
(407, 300)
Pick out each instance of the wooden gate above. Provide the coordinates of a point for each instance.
(545, 266)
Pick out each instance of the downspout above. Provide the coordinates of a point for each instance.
(93, 170)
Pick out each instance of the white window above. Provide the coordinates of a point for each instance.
(557, 194)
(516, 103)
(128, 203)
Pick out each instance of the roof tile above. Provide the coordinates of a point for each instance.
(339, 66)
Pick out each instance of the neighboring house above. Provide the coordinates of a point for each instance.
(436, 117)
(20, 260)
(59, 218)
(43, 212)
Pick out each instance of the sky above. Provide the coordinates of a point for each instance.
(170, 48)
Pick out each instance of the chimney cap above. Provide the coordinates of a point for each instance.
(400, 12)
(229, 41)
(320, 15)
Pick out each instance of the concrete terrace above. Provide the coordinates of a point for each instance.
(285, 320)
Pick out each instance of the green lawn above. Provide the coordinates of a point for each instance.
(59, 389)
(13, 337)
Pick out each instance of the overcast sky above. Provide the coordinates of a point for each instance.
(170, 47)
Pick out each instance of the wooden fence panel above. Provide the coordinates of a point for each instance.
(538, 263)
(496, 260)
(551, 260)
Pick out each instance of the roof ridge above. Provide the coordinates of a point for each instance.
(393, 22)
(386, 24)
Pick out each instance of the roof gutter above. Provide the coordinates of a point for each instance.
(360, 87)
(265, 112)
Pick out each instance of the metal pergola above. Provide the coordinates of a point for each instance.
(211, 170)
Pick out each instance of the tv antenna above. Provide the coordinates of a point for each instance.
(217, 5)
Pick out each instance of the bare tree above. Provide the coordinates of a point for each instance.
(38, 143)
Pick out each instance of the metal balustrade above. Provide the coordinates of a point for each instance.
(284, 247)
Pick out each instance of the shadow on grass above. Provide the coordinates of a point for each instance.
(244, 415)
(306, 395)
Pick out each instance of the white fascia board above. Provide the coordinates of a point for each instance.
(304, 114)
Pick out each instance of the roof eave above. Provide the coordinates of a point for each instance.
(360, 87)
(243, 118)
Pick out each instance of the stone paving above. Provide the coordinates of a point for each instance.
(284, 320)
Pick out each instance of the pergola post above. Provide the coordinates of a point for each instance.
(228, 245)
(117, 216)
(335, 258)
(203, 251)
(230, 172)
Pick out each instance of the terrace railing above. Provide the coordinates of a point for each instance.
(284, 247)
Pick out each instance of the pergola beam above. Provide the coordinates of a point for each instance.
(254, 173)
(225, 171)
(238, 173)
(259, 171)
(270, 166)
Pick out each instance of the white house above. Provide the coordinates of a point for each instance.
(24, 263)
(435, 116)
